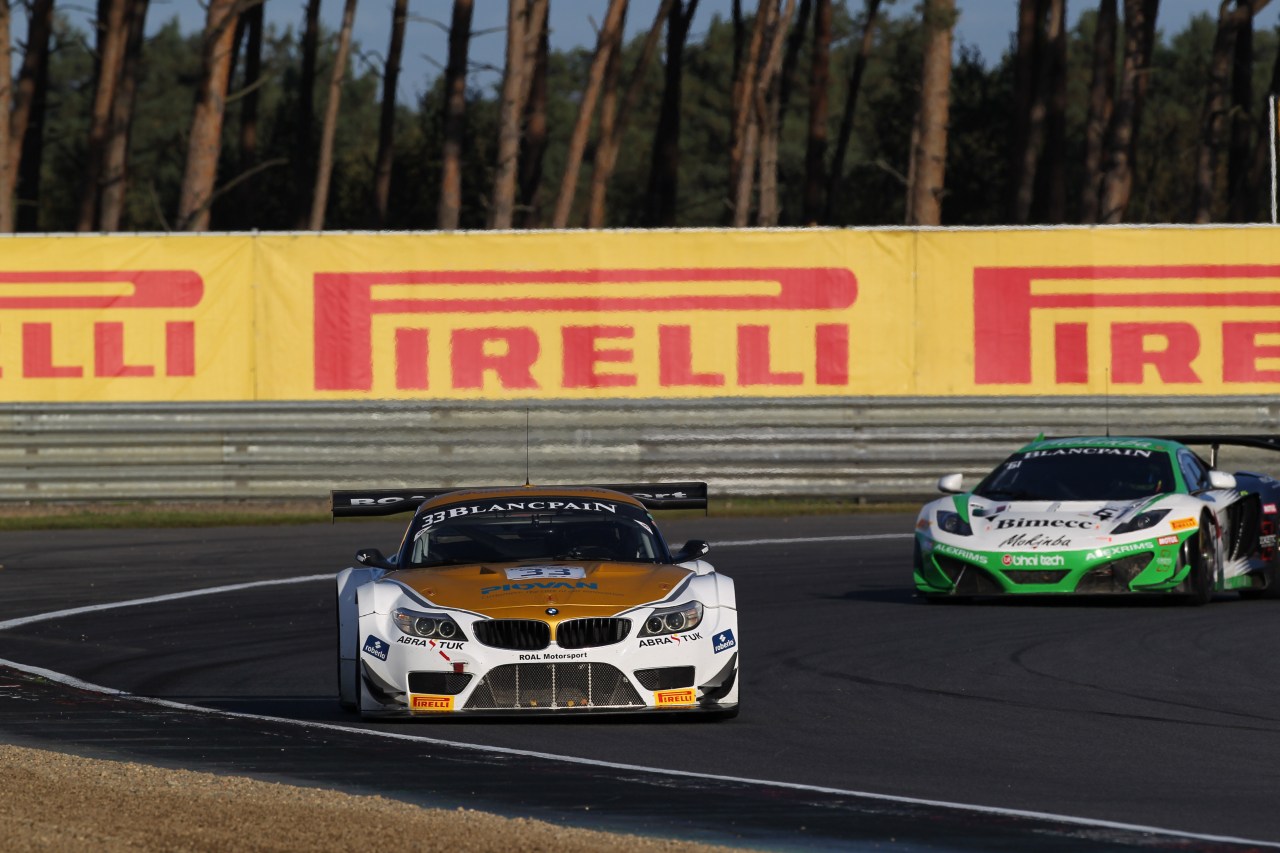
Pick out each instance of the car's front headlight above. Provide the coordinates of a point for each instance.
(673, 620)
(1141, 521)
(433, 626)
(951, 522)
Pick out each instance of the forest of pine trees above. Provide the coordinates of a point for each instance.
(786, 112)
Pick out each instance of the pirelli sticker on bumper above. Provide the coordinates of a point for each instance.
(427, 702)
(673, 698)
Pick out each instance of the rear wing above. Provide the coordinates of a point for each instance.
(348, 503)
(1261, 442)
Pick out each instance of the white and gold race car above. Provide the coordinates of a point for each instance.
(554, 599)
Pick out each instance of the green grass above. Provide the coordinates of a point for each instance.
(139, 514)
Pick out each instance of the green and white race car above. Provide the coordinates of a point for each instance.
(1099, 515)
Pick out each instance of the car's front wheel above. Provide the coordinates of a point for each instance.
(1199, 553)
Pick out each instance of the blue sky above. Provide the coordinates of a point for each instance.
(986, 24)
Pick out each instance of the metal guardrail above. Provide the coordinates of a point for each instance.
(861, 448)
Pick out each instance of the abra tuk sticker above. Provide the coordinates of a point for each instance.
(724, 641)
(376, 647)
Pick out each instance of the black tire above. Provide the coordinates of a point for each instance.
(1198, 552)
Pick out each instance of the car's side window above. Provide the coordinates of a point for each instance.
(1193, 471)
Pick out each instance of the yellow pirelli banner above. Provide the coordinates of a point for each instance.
(600, 315)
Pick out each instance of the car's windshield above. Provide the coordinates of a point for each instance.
(518, 531)
(1079, 474)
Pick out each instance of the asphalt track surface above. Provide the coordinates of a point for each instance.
(870, 719)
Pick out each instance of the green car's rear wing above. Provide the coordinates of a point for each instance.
(1261, 442)
(347, 503)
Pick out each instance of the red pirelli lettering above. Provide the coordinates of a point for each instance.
(1003, 305)
(346, 304)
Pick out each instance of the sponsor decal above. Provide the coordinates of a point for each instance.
(1183, 523)
(525, 587)
(1087, 451)
(962, 553)
(1267, 541)
(1034, 560)
(1075, 306)
(665, 698)
(525, 573)
(671, 639)
(458, 331)
(93, 297)
(1068, 523)
(1121, 550)
(1099, 442)
(922, 524)
(376, 647)
(723, 642)
(1270, 509)
(554, 656)
(1164, 561)
(446, 645)
(1167, 540)
(427, 702)
(431, 519)
(1035, 540)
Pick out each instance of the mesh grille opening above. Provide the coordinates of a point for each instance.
(439, 683)
(553, 686)
(665, 678)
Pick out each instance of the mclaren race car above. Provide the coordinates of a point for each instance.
(553, 599)
(1104, 515)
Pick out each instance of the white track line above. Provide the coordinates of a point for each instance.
(70, 681)
(804, 540)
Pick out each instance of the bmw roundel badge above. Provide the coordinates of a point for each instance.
(551, 611)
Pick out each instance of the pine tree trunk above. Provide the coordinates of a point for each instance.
(1213, 117)
(113, 36)
(533, 145)
(1117, 183)
(115, 175)
(865, 43)
(664, 163)
(1241, 199)
(930, 158)
(610, 40)
(329, 128)
(387, 120)
(607, 128)
(815, 156)
(1101, 104)
(770, 124)
(607, 150)
(6, 104)
(26, 144)
(449, 207)
(304, 145)
(205, 139)
(1027, 47)
(745, 129)
(1055, 144)
(252, 81)
(502, 204)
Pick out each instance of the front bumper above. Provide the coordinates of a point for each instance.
(1147, 566)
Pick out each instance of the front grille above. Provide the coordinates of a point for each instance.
(553, 686)
(1035, 575)
(520, 634)
(665, 678)
(968, 578)
(439, 683)
(1114, 576)
(587, 633)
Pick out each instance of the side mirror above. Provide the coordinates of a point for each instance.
(951, 484)
(692, 550)
(1221, 480)
(373, 558)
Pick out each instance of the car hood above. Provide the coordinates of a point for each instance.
(524, 590)
(1035, 525)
